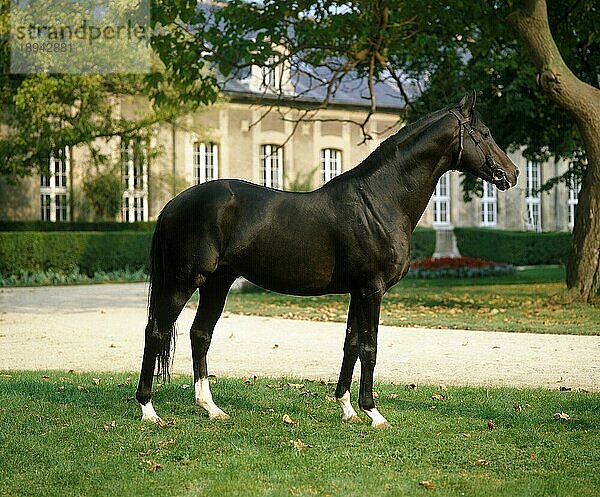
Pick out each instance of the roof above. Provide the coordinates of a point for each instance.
(309, 84)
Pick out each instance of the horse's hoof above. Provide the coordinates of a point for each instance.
(352, 419)
(152, 419)
(382, 425)
(219, 415)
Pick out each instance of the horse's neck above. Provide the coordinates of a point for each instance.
(403, 184)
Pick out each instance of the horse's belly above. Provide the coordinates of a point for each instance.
(298, 267)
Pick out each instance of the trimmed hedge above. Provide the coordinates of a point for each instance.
(66, 252)
(422, 244)
(521, 248)
(91, 252)
(75, 226)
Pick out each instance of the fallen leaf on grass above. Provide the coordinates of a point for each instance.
(300, 445)
(426, 484)
(483, 462)
(562, 415)
(393, 396)
(410, 386)
(327, 382)
(297, 386)
(165, 443)
(74, 371)
(518, 407)
(61, 388)
(443, 388)
(491, 425)
(275, 387)
(45, 377)
(81, 388)
(438, 396)
(250, 381)
(126, 383)
(163, 424)
(565, 389)
(96, 381)
(329, 398)
(153, 466)
(466, 435)
(108, 426)
(288, 421)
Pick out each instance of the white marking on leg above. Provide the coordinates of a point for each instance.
(149, 414)
(348, 412)
(204, 399)
(378, 421)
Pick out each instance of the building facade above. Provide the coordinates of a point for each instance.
(239, 139)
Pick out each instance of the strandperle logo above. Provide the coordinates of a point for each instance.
(85, 31)
(62, 36)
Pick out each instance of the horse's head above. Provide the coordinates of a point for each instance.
(478, 153)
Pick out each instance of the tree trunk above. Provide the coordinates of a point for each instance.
(582, 102)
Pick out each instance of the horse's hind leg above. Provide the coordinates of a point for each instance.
(212, 300)
(342, 391)
(158, 336)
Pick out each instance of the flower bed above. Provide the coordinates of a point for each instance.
(458, 267)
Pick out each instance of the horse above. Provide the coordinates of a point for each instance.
(351, 235)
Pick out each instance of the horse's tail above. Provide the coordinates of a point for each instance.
(157, 302)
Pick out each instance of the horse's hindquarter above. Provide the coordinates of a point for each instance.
(284, 241)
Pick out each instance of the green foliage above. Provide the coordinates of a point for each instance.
(75, 226)
(521, 248)
(302, 182)
(66, 252)
(422, 243)
(105, 192)
(51, 277)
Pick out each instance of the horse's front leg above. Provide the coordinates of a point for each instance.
(370, 303)
(342, 391)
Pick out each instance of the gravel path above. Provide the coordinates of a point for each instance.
(100, 328)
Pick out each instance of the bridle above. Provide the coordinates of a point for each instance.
(464, 123)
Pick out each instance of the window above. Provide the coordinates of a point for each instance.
(331, 163)
(534, 213)
(271, 166)
(271, 73)
(489, 205)
(134, 166)
(206, 162)
(574, 187)
(54, 188)
(441, 201)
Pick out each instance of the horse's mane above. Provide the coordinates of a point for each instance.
(387, 149)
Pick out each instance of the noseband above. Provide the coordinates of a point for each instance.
(464, 124)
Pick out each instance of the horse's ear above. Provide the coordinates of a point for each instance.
(467, 104)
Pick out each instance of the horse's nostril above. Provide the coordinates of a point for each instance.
(517, 172)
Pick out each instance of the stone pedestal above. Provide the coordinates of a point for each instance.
(445, 242)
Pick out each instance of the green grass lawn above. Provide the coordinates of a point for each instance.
(69, 434)
(506, 303)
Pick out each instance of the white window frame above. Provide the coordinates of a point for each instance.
(205, 166)
(441, 201)
(533, 197)
(271, 166)
(489, 206)
(135, 193)
(54, 189)
(574, 188)
(271, 73)
(331, 163)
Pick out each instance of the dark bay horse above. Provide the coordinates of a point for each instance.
(352, 235)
